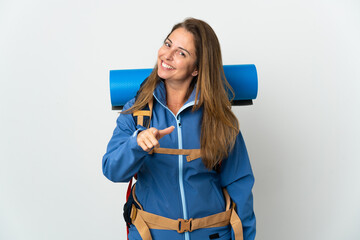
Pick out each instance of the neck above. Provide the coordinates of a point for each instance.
(176, 94)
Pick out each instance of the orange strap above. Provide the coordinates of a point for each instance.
(192, 154)
(236, 224)
(141, 113)
(144, 221)
(140, 116)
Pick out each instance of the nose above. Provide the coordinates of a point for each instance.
(169, 54)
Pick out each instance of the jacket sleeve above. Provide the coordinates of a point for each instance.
(237, 176)
(123, 157)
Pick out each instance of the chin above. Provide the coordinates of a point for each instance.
(160, 74)
(163, 74)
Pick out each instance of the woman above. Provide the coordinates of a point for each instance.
(190, 111)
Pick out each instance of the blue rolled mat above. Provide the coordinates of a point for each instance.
(125, 83)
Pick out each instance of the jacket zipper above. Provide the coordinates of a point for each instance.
(180, 161)
(181, 173)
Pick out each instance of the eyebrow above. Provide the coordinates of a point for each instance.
(180, 47)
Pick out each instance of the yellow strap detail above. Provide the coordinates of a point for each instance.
(227, 198)
(216, 220)
(135, 198)
(236, 224)
(192, 154)
(140, 116)
(142, 113)
(142, 227)
(140, 120)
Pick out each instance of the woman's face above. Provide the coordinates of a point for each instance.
(177, 57)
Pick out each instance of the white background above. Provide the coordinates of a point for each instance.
(302, 132)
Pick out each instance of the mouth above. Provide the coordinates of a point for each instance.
(166, 66)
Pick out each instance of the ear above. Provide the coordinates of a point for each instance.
(194, 73)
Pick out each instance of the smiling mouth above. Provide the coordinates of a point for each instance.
(166, 66)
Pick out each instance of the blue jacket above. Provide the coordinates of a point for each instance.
(170, 186)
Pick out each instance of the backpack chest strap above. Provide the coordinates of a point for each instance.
(191, 154)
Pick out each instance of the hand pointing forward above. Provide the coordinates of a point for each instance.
(148, 138)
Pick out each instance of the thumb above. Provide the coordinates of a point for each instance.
(165, 131)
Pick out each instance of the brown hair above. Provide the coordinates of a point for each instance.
(219, 126)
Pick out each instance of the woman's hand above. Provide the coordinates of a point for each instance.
(148, 138)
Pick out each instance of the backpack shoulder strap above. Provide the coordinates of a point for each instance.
(141, 114)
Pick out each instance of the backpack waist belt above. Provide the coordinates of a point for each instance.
(144, 221)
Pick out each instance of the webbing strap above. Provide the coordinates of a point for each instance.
(141, 113)
(192, 154)
(236, 224)
(154, 221)
(227, 198)
(140, 116)
(141, 226)
(135, 198)
(144, 221)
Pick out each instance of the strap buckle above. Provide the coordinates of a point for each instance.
(184, 225)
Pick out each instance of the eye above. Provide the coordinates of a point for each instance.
(182, 54)
(167, 44)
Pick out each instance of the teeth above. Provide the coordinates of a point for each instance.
(166, 66)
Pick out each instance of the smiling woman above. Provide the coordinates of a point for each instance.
(177, 59)
(198, 184)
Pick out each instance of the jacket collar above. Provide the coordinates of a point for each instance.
(160, 95)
